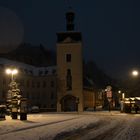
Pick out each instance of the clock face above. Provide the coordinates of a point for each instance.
(11, 30)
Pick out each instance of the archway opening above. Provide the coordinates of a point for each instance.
(69, 103)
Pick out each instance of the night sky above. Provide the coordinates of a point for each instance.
(110, 28)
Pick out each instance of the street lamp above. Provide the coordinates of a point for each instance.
(119, 91)
(121, 100)
(15, 102)
(12, 72)
(119, 95)
(123, 96)
(13, 94)
(135, 73)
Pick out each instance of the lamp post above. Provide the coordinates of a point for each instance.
(119, 97)
(12, 72)
(121, 100)
(109, 96)
(13, 94)
(13, 84)
(135, 73)
(16, 101)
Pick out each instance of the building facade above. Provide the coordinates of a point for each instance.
(52, 87)
(37, 84)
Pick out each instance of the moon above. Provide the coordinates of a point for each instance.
(11, 30)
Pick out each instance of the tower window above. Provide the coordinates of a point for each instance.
(69, 80)
(68, 57)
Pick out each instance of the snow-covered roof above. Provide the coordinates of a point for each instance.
(28, 69)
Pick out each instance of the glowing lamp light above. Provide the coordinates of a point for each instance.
(119, 91)
(15, 71)
(135, 73)
(9, 71)
(123, 95)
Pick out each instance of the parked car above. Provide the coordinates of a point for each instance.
(35, 109)
(2, 111)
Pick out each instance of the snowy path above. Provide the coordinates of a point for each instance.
(93, 126)
(109, 128)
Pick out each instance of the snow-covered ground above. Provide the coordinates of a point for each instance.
(76, 126)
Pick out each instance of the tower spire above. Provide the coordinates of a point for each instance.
(70, 15)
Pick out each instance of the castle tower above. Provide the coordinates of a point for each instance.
(69, 67)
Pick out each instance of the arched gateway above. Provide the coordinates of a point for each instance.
(69, 103)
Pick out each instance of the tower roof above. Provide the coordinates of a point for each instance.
(74, 36)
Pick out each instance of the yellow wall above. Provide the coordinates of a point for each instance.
(75, 49)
